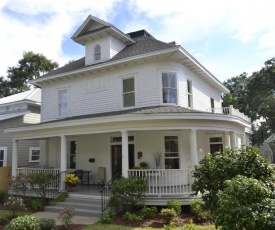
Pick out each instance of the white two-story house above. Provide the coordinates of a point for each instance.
(130, 98)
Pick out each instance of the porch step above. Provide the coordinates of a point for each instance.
(83, 206)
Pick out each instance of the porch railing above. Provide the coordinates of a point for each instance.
(54, 184)
(165, 181)
(229, 111)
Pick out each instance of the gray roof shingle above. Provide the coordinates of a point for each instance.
(143, 110)
(143, 45)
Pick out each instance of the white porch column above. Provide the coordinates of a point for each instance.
(243, 139)
(226, 140)
(193, 147)
(14, 157)
(63, 159)
(125, 155)
(232, 140)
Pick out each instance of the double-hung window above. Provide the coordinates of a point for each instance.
(63, 103)
(97, 53)
(189, 94)
(34, 154)
(3, 156)
(169, 88)
(171, 152)
(128, 92)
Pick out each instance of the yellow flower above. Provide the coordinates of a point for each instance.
(71, 179)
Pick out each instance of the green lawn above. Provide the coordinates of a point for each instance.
(119, 227)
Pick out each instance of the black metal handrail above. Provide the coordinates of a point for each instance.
(53, 185)
(106, 193)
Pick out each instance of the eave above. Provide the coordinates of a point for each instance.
(177, 54)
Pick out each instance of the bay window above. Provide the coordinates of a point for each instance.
(169, 88)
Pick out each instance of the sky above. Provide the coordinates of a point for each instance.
(228, 37)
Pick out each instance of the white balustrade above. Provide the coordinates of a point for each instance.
(230, 111)
(165, 181)
(54, 184)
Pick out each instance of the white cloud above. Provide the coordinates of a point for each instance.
(44, 35)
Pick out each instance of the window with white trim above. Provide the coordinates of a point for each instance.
(63, 103)
(34, 154)
(128, 92)
(212, 102)
(189, 94)
(3, 156)
(171, 156)
(169, 88)
(97, 52)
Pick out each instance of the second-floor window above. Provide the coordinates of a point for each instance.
(169, 88)
(212, 102)
(189, 94)
(63, 103)
(97, 53)
(128, 92)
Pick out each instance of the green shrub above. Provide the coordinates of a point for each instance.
(175, 204)
(35, 203)
(108, 216)
(15, 204)
(245, 203)
(39, 183)
(214, 169)
(23, 223)
(60, 198)
(189, 226)
(128, 192)
(168, 214)
(3, 220)
(148, 212)
(47, 224)
(131, 217)
(198, 209)
(3, 196)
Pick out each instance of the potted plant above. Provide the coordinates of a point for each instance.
(71, 180)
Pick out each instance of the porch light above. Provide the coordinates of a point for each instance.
(139, 154)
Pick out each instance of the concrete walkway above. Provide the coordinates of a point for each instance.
(76, 219)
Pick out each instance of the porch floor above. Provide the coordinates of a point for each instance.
(84, 189)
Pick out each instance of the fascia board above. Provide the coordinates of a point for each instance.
(128, 117)
(201, 67)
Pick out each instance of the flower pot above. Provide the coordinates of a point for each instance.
(71, 188)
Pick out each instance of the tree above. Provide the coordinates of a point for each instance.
(238, 93)
(261, 94)
(4, 87)
(245, 203)
(214, 169)
(30, 67)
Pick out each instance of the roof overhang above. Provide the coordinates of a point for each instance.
(177, 54)
(132, 122)
(12, 115)
(83, 35)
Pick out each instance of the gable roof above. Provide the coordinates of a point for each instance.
(95, 27)
(31, 96)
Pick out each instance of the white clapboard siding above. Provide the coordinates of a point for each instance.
(115, 47)
(106, 96)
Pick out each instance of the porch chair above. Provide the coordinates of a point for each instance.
(100, 179)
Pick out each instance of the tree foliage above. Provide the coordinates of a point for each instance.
(214, 169)
(245, 203)
(30, 67)
(254, 95)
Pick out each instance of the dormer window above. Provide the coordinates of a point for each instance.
(97, 52)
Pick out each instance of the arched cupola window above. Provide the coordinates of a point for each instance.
(97, 52)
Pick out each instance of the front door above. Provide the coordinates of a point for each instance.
(116, 152)
(3, 156)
